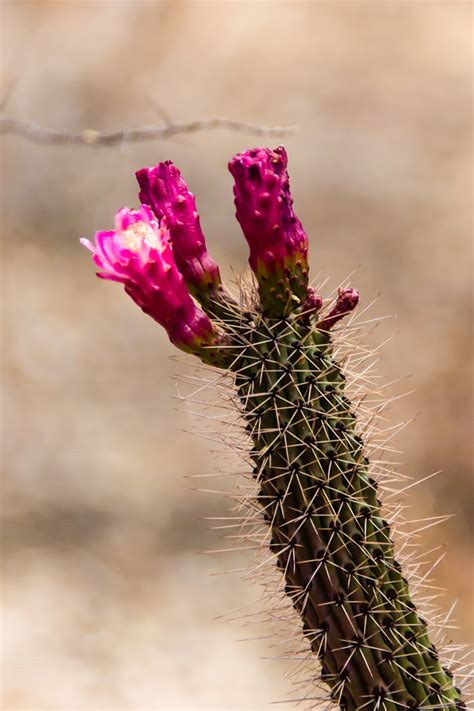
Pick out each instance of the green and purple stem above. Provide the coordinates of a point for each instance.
(317, 495)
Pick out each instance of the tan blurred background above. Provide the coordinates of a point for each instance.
(107, 602)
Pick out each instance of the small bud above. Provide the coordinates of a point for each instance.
(312, 304)
(347, 300)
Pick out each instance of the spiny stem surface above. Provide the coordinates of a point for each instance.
(328, 534)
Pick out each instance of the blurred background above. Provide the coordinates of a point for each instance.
(108, 601)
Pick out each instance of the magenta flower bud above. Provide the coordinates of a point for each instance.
(138, 254)
(347, 300)
(278, 243)
(164, 190)
(313, 301)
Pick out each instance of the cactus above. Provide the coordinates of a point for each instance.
(316, 491)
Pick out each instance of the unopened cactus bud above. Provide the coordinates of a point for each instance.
(347, 300)
(138, 254)
(165, 191)
(278, 243)
(312, 304)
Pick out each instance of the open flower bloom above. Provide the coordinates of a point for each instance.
(264, 207)
(138, 254)
(165, 191)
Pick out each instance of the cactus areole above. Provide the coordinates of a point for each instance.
(317, 492)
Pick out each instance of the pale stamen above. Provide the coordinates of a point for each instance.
(138, 234)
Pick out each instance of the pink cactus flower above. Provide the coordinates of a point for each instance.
(165, 191)
(138, 254)
(264, 208)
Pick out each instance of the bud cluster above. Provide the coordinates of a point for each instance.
(159, 253)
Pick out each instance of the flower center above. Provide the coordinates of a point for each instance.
(138, 234)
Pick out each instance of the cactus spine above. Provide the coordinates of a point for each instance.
(316, 490)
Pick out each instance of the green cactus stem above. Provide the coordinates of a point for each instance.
(328, 533)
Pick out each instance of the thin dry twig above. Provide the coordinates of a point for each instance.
(90, 137)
